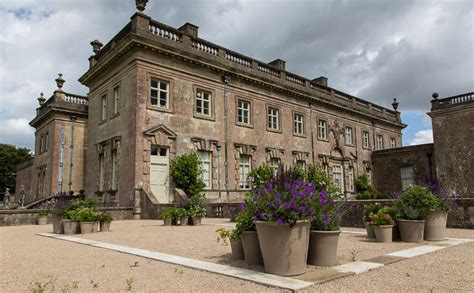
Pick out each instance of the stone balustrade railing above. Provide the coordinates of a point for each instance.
(186, 42)
(76, 99)
(452, 101)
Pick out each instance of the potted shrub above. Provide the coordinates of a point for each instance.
(364, 189)
(435, 226)
(168, 215)
(105, 221)
(60, 203)
(245, 229)
(234, 239)
(70, 222)
(42, 218)
(87, 218)
(282, 223)
(370, 209)
(383, 224)
(196, 209)
(183, 216)
(412, 208)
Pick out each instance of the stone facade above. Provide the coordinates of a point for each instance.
(389, 166)
(156, 92)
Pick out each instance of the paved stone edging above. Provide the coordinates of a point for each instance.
(295, 283)
(248, 275)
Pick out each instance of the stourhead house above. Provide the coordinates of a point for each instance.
(156, 92)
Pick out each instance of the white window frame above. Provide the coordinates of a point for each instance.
(273, 118)
(379, 142)
(392, 143)
(158, 93)
(350, 175)
(206, 165)
(203, 101)
(116, 93)
(301, 164)
(322, 129)
(348, 135)
(103, 104)
(298, 121)
(366, 139)
(407, 175)
(338, 176)
(245, 166)
(243, 112)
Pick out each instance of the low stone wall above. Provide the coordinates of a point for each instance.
(20, 217)
(462, 217)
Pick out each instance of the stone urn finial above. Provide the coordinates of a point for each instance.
(395, 104)
(141, 4)
(41, 99)
(60, 82)
(96, 46)
(435, 96)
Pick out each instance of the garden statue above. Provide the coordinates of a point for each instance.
(6, 199)
(21, 200)
(336, 131)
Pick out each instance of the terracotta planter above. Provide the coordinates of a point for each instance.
(284, 248)
(237, 250)
(95, 227)
(183, 221)
(197, 221)
(384, 233)
(370, 231)
(70, 226)
(251, 248)
(87, 227)
(105, 226)
(167, 222)
(323, 248)
(42, 220)
(58, 227)
(411, 230)
(435, 226)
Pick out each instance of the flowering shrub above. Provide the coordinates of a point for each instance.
(371, 209)
(446, 199)
(383, 217)
(327, 211)
(416, 202)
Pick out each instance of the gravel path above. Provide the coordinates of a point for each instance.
(68, 263)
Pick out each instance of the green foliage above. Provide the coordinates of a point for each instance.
(87, 215)
(71, 215)
(90, 202)
(195, 206)
(298, 173)
(371, 209)
(364, 189)
(40, 287)
(222, 235)
(43, 213)
(186, 172)
(105, 218)
(10, 157)
(262, 174)
(182, 213)
(416, 202)
(169, 213)
(385, 216)
(318, 177)
(244, 220)
(130, 282)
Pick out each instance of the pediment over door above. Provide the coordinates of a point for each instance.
(160, 135)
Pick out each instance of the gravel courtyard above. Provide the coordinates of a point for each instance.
(29, 261)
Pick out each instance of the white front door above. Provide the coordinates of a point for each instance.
(159, 173)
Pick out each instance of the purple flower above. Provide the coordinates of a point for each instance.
(286, 205)
(310, 213)
(278, 202)
(255, 198)
(326, 219)
(280, 222)
(261, 215)
(293, 204)
(241, 207)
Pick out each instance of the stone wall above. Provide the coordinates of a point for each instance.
(387, 164)
(24, 175)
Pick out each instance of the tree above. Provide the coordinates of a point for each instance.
(187, 174)
(10, 157)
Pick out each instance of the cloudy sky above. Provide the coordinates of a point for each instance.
(374, 49)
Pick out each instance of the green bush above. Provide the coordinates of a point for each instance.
(169, 213)
(87, 215)
(71, 215)
(105, 218)
(182, 213)
(261, 175)
(90, 202)
(319, 177)
(364, 189)
(416, 202)
(186, 172)
(195, 206)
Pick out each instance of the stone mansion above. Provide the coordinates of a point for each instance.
(156, 92)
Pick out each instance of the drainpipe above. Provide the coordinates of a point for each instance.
(226, 80)
(218, 148)
(61, 159)
(73, 119)
(312, 130)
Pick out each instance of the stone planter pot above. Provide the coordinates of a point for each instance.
(42, 220)
(58, 227)
(284, 248)
(384, 233)
(435, 226)
(237, 250)
(87, 227)
(105, 226)
(167, 222)
(251, 248)
(370, 231)
(70, 226)
(323, 248)
(183, 221)
(411, 230)
(197, 221)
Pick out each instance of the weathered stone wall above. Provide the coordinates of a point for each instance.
(453, 134)
(387, 163)
(24, 176)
